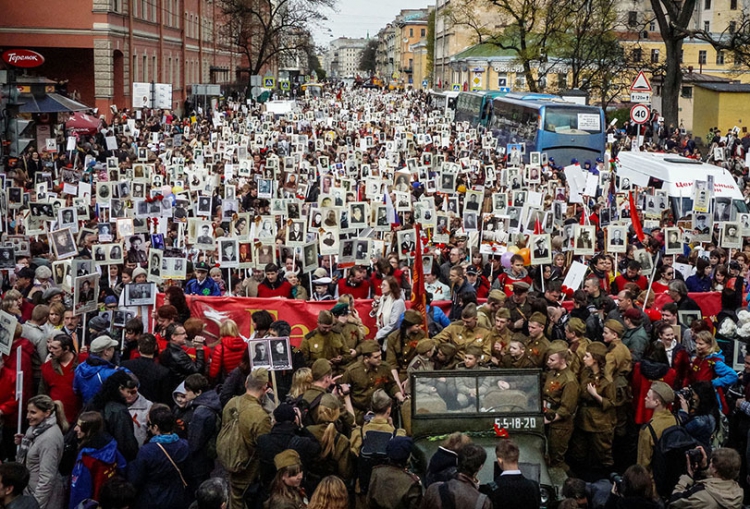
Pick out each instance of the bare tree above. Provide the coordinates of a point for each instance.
(269, 31)
(368, 57)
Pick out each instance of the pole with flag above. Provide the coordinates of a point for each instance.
(418, 293)
(634, 217)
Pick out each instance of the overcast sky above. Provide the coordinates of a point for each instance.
(355, 17)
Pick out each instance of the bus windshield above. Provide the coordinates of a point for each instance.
(572, 121)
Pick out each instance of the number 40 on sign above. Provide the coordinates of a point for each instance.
(640, 113)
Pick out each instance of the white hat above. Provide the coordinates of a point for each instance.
(322, 281)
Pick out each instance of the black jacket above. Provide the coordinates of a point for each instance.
(154, 379)
(119, 424)
(201, 428)
(514, 491)
(180, 364)
(234, 385)
(283, 436)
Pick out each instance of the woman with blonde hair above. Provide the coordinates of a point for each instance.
(709, 366)
(227, 354)
(330, 494)
(41, 449)
(334, 457)
(55, 318)
(301, 381)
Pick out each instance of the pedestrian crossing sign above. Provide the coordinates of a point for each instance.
(284, 85)
(456, 87)
(268, 82)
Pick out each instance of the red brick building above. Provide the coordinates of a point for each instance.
(102, 46)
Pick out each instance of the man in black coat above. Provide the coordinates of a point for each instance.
(511, 490)
(153, 377)
(178, 362)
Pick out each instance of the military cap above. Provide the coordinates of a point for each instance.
(288, 458)
(413, 317)
(325, 317)
(368, 347)
(260, 374)
(558, 346)
(320, 369)
(474, 350)
(340, 309)
(425, 346)
(538, 318)
(664, 391)
(447, 349)
(615, 326)
(503, 313)
(521, 286)
(577, 326)
(597, 348)
(496, 296)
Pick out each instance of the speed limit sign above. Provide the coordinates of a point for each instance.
(640, 113)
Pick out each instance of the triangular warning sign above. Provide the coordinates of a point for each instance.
(640, 84)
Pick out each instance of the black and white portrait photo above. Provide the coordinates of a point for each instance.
(63, 243)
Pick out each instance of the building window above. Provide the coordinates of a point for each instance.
(178, 77)
(652, 26)
(687, 92)
(520, 80)
(117, 5)
(144, 9)
(156, 69)
(171, 70)
(719, 58)
(562, 81)
(633, 18)
(145, 68)
(637, 54)
(707, 26)
(733, 5)
(706, 4)
(702, 57)
(422, 32)
(654, 56)
(135, 8)
(411, 32)
(134, 70)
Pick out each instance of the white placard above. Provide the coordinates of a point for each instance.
(50, 145)
(575, 276)
(111, 142)
(71, 145)
(589, 122)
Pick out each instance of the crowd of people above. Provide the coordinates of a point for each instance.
(126, 403)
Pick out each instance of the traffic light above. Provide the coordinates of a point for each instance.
(20, 133)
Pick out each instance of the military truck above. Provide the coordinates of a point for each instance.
(486, 405)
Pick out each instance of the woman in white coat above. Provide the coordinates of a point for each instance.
(41, 450)
(389, 309)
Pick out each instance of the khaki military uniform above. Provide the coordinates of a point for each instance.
(400, 352)
(619, 365)
(578, 350)
(594, 422)
(318, 346)
(518, 312)
(485, 317)
(503, 337)
(537, 350)
(391, 486)
(660, 421)
(560, 400)
(364, 381)
(346, 420)
(353, 335)
(253, 422)
(462, 337)
(338, 463)
(522, 362)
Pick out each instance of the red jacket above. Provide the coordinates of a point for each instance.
(59, 386)
(9, 406)
(483, 289)
(641, 384)
(361, 291)
(227, 355)
(282, 290)
(506, 280)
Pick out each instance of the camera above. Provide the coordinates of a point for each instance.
(616, 479)
(686, 393)
(695, 456)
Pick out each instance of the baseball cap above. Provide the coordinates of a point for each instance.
(102, 343)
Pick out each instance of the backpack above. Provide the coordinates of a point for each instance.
(231, 449)
(371, 454)
(433, 327)
(306, 408)
(668, 461)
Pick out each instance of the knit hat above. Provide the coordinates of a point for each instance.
(664, 391)
(577, 326)
(288, 458)
(398, 449)
(503, 313)
(538, 318)
(597, 348)
(110, 299)
(140, 271)
(412, 317)
(425, 346)
(368, 347)
(615, 326)
(284, 413)
(325, 317)
(320, 369)
(43, 272)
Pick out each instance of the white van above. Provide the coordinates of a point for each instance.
(677, 175)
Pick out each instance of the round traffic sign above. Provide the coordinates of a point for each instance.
(640, 113)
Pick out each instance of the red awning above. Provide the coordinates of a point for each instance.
(82, 123)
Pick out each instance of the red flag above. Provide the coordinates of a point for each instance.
(634, 218)
(538, 230)
(418, 293)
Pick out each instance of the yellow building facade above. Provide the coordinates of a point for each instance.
(722, 105)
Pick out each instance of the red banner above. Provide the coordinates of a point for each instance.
(303, 315)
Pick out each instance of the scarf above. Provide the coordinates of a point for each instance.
(165, 439)
(31, 434)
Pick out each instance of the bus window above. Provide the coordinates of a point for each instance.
(571, 121)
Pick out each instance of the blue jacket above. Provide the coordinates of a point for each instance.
(438, 316)
(90, 375)
(101, 452)
(697, 284)
(724, 376)
(155, 478)
(201, 429)
(207, 288)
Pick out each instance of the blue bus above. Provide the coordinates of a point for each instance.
(545, 123)
(476, 107)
